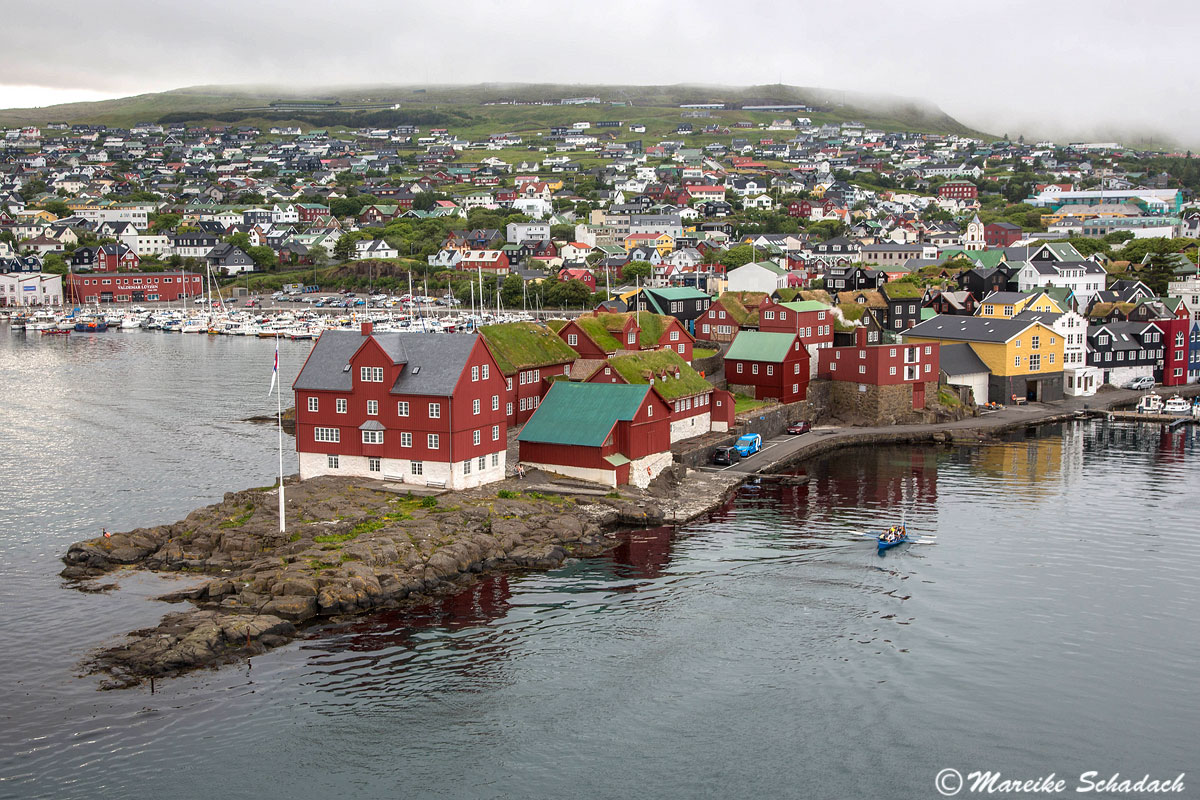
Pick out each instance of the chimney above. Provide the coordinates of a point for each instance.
(367, 327)
(860, 337)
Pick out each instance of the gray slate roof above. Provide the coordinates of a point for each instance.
(960, 359)
(433, 361)
(969, 329)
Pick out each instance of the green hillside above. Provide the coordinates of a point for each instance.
(465, 109)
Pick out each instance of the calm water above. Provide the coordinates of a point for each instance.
(762, 653)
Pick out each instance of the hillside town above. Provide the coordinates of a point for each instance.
(682, 273)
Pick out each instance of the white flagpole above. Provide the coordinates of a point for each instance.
(279, 422)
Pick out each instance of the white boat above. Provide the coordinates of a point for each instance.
(1177, 407)
(129, 322)
(1150, 404)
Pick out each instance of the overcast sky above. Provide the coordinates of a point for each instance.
(1071, 69)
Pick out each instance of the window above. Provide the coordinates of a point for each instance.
(495, 459)
(891, 370)
(416, 467)
(649, 411)
(1052, 358)
(371, 374)
(1035, 342)
(495, 433)
(632, 337)
(372, 408)
(1018, 343)
(1101, 340)
(681, 348)
(372, 437)
(475, 437)
(432, 441)
(754, 368)
(770, 369)
(768, 315)
(509, 382)
(495, 402)
(374, 465)
(928, 349)
(406, 439)
(674, 336)
(1035, 362)
(313, 404)
(340, 405)
(333, 462)
(435, 410)
(327, 434)
(467, 467)
(1016, 361)
(475, 406)
(739, 368)
(402, 408)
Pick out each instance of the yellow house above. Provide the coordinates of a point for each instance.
(554, 184)
(1006, 305)
(662, 242)
(1024, 357)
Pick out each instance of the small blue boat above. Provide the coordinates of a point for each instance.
(888, 545)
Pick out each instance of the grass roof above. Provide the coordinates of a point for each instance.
(521, 345)
(902, 290)
(642, 366)
(852, 312)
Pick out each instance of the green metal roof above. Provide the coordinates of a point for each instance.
(760, 346)
(678, 293)
(807, 305)
(770, 265)
(582, 413)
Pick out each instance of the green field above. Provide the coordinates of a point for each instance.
(655, 106)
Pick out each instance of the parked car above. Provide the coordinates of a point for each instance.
(1142, 382)
(803, 426)
(726, 456)
(748, 444)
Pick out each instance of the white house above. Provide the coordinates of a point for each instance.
(517, 232)
(1084, 278)
(374, 248)
(30, 289)
(757, 276)
(534, 207)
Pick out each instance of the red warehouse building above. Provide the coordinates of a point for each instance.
(404, 406)
(769, 366)
(607, 433)
(1001, 234)
(913, 367)
(529, 355)
(136, 287)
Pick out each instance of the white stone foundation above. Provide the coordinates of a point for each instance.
(647, 468)
(400, 469)
(691, 426)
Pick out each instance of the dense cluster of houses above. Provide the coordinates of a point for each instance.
(887, 294)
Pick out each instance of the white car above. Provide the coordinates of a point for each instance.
(1142, 382)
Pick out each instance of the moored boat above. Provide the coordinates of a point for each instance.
(1150, 404)
(1177, 407)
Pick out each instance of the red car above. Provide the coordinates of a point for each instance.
(803, 426)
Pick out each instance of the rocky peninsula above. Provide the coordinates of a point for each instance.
(351, 547)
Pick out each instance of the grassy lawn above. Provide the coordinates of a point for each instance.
(702, 352)
(743, 403)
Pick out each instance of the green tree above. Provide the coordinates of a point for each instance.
(165, 222)
(239, 240)
(58, 208)
(637, 269)
(738, 255)
(344, 249)
(562, 232)
(264, 257)
(54, 264)
(511, 290)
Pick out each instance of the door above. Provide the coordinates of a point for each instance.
(1033, 391)
(918, 395)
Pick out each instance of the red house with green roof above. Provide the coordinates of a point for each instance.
(687, 394)
(611, 434)
(529, 356)
(729, 314)
(602, 334)
(768, 366)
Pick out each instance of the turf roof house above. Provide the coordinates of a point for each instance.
(728, 314)
(600, 335)
(769, 366)
(406, 406)
(611, 434)
(696, 407)
(529, 355)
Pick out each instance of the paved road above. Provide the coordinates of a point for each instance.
(784, 448)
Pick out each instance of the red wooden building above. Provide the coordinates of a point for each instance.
(959, 190)
(585, 275)
(115, 258)
(601, 334)
(1175, 350)
(770, 366)
(882, 365)
(811, 320)
(493, 261)
(135, 287)
(530, 355)
(404, 406)
(1001, 234)
(728, 314)
(610, 434)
